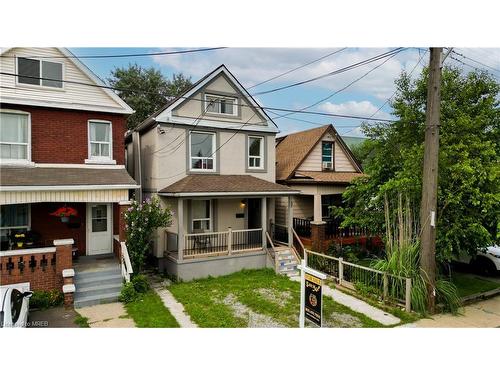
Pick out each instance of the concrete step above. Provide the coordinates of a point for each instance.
(96, 299)
(97, 280)
(97, 289)
(101, 270)
(287, 258)
(287, 268)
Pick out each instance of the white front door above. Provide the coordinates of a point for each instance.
(99, 228)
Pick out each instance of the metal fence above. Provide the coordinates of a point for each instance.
(389, 288)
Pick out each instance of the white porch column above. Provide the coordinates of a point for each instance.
(289, 222)
(318, 217)
(263, 220)
(180, 227)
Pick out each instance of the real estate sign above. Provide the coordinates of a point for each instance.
(311, 296)
(313, 299)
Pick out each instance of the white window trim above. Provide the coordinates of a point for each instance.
(235, 106)
(213, 157)
(261, 156)
(100, 159)
(40, 86)
(26, 161)
(210, 219)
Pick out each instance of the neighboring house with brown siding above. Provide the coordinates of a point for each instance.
(320, 165)
(61, 147)
(209, 155)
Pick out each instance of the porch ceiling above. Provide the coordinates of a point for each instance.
(224, 185)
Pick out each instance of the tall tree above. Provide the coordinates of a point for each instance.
(146, 90)
(469, 166)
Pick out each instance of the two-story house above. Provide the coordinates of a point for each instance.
(62, 164)
(319, 164)
(209, 156)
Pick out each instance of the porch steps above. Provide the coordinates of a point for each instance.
(97, 285)
(287, 264)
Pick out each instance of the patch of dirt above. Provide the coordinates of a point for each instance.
(279, 298)
(341, 320)
(255, 320)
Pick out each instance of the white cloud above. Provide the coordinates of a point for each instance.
(254, 65)
(363, 108)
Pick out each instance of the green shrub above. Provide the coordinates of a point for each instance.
(128, 293)
(141, 284)
(44, 299)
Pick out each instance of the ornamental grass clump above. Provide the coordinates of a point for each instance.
(403, 259)
(142, 220)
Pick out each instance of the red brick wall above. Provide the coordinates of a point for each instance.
(40, 278)
(61, 136)
(51, 227)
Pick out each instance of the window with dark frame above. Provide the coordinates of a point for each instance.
(39, 72)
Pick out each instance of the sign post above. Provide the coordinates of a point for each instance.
(311, 295)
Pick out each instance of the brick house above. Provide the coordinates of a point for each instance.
(61, 151)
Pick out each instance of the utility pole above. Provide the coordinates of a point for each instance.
(428, 208)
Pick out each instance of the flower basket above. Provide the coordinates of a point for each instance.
(65, 213)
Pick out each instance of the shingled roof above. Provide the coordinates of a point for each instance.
(326, 177)
(292, 149)
(42, 176)
(197, 183)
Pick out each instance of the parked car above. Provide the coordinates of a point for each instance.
(14, 307)
(486, 262)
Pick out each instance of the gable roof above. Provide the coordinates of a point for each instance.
(125, 108)
(292, 150)
(164, 113)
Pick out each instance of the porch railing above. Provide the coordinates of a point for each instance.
(199, 245)
(363, 279)
(126, 265)
(332, 229)
(246, 239)
(279, 233)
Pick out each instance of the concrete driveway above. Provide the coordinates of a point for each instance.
(482, 314)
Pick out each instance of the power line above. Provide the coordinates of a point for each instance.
(345, 87)
(298, 67)
(476, 61)
(190, 98)
(334, 72)
(123, 55)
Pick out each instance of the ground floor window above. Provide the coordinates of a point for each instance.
(201, 215)
(327, 201)
(14, 218)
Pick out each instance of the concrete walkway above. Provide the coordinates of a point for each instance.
(482, 314)
(358, 305)
(176, 308)
(107, 315)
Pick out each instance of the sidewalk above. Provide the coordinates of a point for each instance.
(483, 314)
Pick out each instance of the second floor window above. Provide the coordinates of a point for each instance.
(255, 152)
(221, 105)
(327, 156)
(100, 140)
(14, 136)
(202, 151)
(39, 72)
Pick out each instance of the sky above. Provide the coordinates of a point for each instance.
(254, 65)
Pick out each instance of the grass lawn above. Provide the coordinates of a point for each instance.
(468, 284)
(256, 298)
(148, 311)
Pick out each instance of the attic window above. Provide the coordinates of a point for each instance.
(221, 105)
(39, 72)
(327, 162)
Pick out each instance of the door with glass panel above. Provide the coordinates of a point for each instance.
(99, 228)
